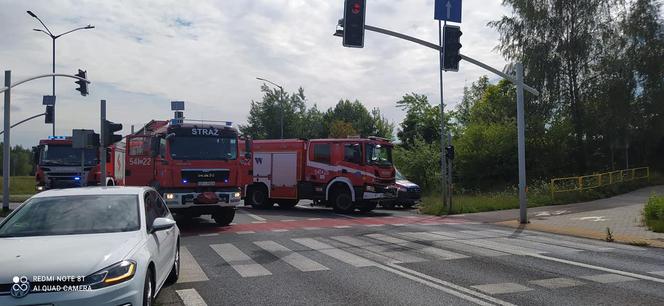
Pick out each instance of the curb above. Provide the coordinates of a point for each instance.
(583, 233)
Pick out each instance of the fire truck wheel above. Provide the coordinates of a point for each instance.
(224, 216)
(342, 200)
(258, 197)
(287, 203)
(367, 206)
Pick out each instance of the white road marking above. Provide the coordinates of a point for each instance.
(288, 220)
(502, 288)
(660, 273)
(418, 247)
(455, 290)
(608, 278)
(346, 216)
(312, 228)
(506, 248)
(190, 297)
(342, 226)
(239, 261)
(333, 252)
(374, 225)
(537, 245)
(399, 224)
(401, 257)
(475, 250)
(614, 271)
(280, 230)
(255, 217)
(313, 219)
(555, 283)
(294, 259)
(245, 232)
(258, 222)
(209, 235)
(424, 236)
(190, 271)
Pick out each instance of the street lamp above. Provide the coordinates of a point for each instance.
(54, 37)
(281, 103)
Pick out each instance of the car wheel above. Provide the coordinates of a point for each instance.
(287, 203)
(258, 197)
(342, 200)
(175, 270)
(224, 216)
(148, 289)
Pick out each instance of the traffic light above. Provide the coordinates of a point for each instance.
(452, 46)
(82, 85)
(449, 152)
(353, 23)
(48, 117)
(108, 133)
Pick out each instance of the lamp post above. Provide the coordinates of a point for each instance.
(281, 103)
(54, 37)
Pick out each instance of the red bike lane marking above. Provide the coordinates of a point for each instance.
(323, 223)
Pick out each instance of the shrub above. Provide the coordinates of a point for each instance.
(653, 213)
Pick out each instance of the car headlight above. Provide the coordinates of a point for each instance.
(40, 188)
(236, 195)
(169, 196)
(371, 188)
(115, 274)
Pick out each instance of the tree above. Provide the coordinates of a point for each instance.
(422, 120)
(364, 122)
(341, 129)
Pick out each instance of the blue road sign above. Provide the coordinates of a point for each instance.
(449, 10)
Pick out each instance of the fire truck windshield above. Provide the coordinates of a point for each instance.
(378, 154)
(203, 148)
(65, 155)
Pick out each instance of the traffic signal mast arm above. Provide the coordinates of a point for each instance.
(463, 57)
(3, 89)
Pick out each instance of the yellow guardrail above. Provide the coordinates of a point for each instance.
(578, 183)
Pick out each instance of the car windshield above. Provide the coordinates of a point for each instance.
(203, 148)
(378, 154)
(73, 215)
(66, 155)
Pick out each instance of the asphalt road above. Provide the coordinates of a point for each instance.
(312, 256)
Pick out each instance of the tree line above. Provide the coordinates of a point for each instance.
(20, 161)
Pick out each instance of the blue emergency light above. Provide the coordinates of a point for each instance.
(57, 137)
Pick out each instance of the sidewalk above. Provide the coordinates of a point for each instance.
(622, 214)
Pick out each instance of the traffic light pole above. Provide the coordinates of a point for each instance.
(518, 80)
(443, 159)
(102, 148)
(24, 120)
(6, 152)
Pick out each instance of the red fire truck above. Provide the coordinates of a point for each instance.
(196, 167)
(343, 173)
(58, 165)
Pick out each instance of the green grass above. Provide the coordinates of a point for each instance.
(21, 188)
(20, 185)
(538, 195)
(653, 213)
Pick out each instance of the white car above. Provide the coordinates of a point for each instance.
(88, 246)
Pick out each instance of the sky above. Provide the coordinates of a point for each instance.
(143, 54)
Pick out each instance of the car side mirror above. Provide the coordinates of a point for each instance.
(161, 224)
(154, 143)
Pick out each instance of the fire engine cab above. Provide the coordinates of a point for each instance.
(196, 167)
(346, 174)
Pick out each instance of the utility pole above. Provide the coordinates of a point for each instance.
(6, 143)
(521, 127)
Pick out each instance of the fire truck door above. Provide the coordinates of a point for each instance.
(139, 166)
(284, 175)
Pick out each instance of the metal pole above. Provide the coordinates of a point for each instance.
(6, 143)
(281, 99)
(102, 148)
(24, 120)
(521, 126)
(443, 161)
(449, 175)
(53, 86)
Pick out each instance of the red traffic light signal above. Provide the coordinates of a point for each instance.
(353, 23)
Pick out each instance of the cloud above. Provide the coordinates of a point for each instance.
(143, 54)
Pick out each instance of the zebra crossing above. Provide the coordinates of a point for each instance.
(388, 250)
(393, 248)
